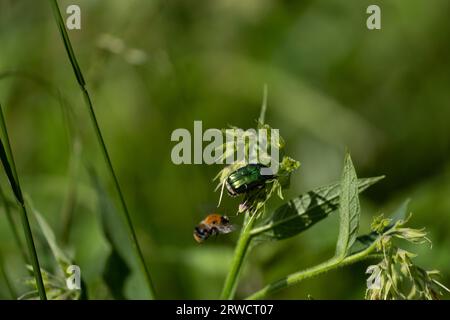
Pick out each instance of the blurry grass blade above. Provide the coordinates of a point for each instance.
(304, 211)
(71, 195)
(349, 209)
(120, 262)
(7, 205)
(88, 101)
(115, 274)
(11, 289)
(49, 236)
(67, 44)
(11, 172)
(61, 258)
(7, 158)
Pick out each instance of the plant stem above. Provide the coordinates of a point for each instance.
(127, 217)
(262, 115)
(88, 101)
(239, 254)
(15, 185)
(297, 277)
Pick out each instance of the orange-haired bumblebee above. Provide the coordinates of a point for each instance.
(213, 224)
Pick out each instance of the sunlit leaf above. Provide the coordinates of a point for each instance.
(349, 210)
(304, 211)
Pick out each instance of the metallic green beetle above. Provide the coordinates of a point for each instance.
(246, 179)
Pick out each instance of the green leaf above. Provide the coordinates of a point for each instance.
(118, 265)
(349, 210)
(67, 43)
(304, 211)
(9, 173)
(61, 258)
(7, 280)
(49, 236)
(366, 240)
(115, 274)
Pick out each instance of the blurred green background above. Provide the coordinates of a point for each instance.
(154, 66)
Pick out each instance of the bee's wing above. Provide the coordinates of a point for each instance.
(226, 228)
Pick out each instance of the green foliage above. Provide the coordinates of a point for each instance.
(55, 283)
(380, 225)
(59, 255)
(349, 210)
(7, 159)
(88, 101)
(119, 263)
(326, 101)
(304, 211)
(396, 276)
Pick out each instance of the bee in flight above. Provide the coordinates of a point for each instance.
(213, 224)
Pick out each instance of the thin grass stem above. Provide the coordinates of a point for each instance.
(101, 141)
(9, 165)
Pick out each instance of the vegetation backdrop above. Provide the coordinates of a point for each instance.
(154, 66)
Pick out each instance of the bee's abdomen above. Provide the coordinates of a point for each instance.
(201, 233)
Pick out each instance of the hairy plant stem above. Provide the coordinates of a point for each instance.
(326, 266)
(245, 237)
(88, 102)
(239, 254)
(15, 186)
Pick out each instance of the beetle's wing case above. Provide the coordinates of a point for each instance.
(246, 178)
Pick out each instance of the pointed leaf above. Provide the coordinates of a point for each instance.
(304, 211)
(349, 210)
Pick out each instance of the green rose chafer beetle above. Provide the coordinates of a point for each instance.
(246, 179)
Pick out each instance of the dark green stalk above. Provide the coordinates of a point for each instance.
(245, 237)
(9, 165)
(88, 101)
